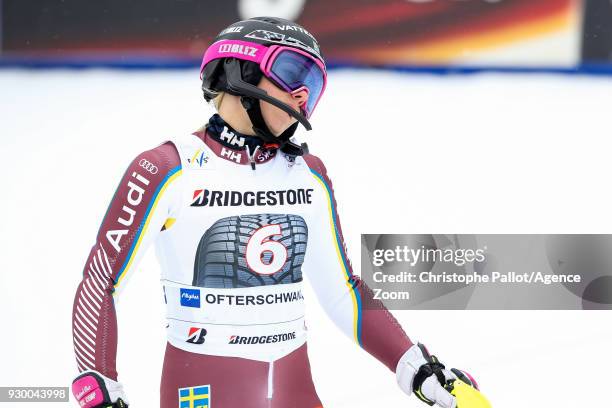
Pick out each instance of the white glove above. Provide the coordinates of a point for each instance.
(93, 390)
(419, 372)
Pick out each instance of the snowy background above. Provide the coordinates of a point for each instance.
(489, 153)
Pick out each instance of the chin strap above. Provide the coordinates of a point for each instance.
(253, 109)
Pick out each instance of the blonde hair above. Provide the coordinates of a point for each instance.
(217, 100)
(216, 103)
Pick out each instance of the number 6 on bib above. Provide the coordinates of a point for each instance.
(264, 256)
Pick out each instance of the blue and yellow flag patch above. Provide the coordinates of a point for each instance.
(194, 397)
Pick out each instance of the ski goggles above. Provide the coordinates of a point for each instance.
(291, 69)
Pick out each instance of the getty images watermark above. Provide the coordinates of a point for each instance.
(489, 271)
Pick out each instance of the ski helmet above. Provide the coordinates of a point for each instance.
(279, 49)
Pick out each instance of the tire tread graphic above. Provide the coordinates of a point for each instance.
(220, 260)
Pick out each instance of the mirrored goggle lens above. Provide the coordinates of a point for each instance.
(295, 70)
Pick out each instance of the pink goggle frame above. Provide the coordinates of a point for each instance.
(265, 57)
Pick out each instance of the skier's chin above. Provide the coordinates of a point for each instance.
(281, 124)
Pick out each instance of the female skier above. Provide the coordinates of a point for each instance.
(237, 211)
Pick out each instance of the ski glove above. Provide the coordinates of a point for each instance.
(93, 390)
(419, 372)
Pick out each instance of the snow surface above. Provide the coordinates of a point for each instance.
(407, 154)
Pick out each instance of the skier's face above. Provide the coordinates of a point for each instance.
(276, 119)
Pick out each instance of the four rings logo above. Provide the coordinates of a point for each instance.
(148, 166)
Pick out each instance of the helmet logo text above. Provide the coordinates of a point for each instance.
(238, 49)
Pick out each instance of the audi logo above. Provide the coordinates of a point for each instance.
(148, 166)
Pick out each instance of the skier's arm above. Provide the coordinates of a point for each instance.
(349, 302)
(344, 296)
(139, 209)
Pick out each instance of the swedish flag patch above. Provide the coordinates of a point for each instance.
(194, 397)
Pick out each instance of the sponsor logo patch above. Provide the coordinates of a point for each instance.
(137, 185)
(196, 335)
(238, 49)
(231, 138)
(148, 166)
(199, 159)
(231, 155)
(214, 198)
(273, 338)
(231, 30)
(254, 300)
(190, 297)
